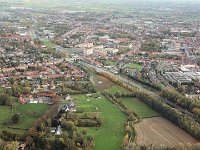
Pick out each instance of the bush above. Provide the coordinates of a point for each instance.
(5, 99)
(10, 136)
(15, 118)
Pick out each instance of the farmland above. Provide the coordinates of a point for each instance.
(141, 109)
(111, 132)
(158, 131)
(152, 130)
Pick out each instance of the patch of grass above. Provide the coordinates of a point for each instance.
(29, 113)
(27, 118)
(140, 108)
(48, 43)
(5, 112)
(110, 63)
(110, 134)
(134, 66)
(114, 88)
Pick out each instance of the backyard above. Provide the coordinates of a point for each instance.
(109, 63)
(134, 66)
(48, 43)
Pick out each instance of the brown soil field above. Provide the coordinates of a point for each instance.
(159, 132)
(101, 83)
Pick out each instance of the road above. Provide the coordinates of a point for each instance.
(71, 32)
(134, 84)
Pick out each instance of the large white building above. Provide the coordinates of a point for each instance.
(111, 50)
(88, 51)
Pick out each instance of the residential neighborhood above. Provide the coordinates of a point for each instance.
(99, 75)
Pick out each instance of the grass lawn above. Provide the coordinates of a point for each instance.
(143, 110)
(110, 63)
(27, 119)
(26, 111)
(110, 135)
(5, 114)
(48, 43)
(134, 66)
(83, 105)
(114, 88)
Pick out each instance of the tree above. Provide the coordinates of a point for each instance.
(5, 99)
(151, 46)
(68, 125)
(58, 144)
(29, 140)
(12, 146)
(84, 131)
(15, 118)
(131, 146)
(2, 144)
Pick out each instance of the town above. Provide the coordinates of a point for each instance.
(86, 75)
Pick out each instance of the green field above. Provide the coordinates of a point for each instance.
(143, 110)
(5, 114)
(134, 66)
(116, 88)
(110, 135)
(48, 43)
(26, 113)
(109, 63)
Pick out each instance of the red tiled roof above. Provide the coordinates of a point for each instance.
(17, 37)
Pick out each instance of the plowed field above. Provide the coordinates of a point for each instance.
(160, 132)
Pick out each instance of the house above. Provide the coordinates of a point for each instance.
(69, 107)
(53, 129)
(88, 51)
(111, 50)
(58, 130)
(86, 45)
(68, 98)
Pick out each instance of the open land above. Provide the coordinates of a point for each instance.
(111, 132)
(140, 108)
(116, 88)
(29, 114)
(160, 132)
(101, 83)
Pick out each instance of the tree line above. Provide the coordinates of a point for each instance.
(181, 120)
(192, 105)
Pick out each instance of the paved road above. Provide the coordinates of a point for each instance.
(132, 83)
(72, 32)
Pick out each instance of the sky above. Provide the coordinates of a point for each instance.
(118, 1)
(162, 2)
